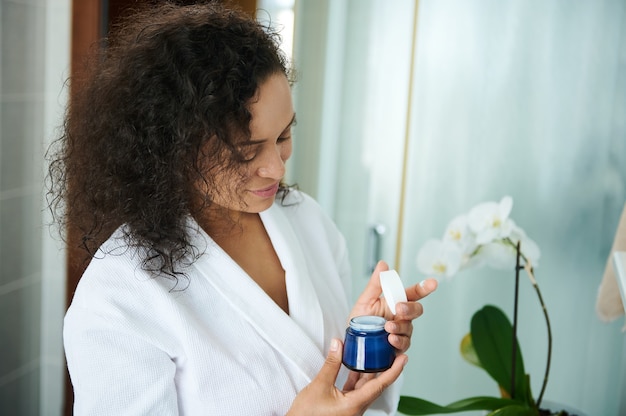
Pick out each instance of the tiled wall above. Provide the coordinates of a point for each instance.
(33, 43)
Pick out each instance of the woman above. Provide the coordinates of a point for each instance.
(212, 288)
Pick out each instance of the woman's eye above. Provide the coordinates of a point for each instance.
(283, 139)
(247, 153)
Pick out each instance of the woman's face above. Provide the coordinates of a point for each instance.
(266, 152)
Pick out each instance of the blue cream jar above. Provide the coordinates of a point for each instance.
(366, 347)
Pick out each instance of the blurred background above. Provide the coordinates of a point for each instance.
(409, 113)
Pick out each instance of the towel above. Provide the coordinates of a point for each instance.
(609, 304)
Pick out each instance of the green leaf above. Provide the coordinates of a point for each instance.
(468, 352)
(515, 410)
(492, 337)
(415, 406)
(529, 394)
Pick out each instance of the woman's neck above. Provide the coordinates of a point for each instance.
(243, 237)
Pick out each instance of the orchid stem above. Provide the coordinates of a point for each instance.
(529, 270)
(514, 343)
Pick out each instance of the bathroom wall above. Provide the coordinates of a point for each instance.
(34, 45)
(522, 98)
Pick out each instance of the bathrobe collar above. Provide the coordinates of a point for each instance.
(299, 335)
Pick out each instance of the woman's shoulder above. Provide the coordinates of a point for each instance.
(117, 272)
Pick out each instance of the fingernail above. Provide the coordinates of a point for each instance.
(334, 345)
(422, 283)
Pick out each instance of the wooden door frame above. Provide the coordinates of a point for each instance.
(87, 29)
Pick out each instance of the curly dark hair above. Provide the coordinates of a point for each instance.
(172, 85)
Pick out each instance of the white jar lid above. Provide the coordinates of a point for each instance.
(393, 289)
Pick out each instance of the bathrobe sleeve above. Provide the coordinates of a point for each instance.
(120, 361)
(101, 354)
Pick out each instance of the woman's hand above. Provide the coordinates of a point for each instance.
(399, 326)
(321, 397)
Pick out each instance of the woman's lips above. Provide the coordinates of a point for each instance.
(266, 192)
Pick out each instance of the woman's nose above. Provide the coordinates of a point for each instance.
(272, 164)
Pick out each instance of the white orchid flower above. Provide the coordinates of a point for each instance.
(459, 233)
(529, 248)
(502, 253)
(486, 236)
(498, 255)
(489, 221)
(440, 258)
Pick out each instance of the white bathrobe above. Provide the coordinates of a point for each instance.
(215, 344)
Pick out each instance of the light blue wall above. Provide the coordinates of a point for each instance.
(526, 98)
(34, 44)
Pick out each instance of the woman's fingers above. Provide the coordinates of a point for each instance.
(400, 333)
(373, 388)
(407, 311)
(330, 369)
(421, 290)
(373, 289)
(400, 342)
(321, 397)
(356, 380)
